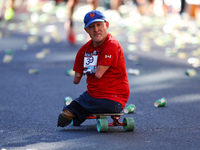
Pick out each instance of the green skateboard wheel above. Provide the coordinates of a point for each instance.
(130, 124)
(102, 125)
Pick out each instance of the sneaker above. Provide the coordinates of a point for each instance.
(63, 121)
(72, 37)
(65, 118)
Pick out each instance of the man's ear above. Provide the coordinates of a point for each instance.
(107, 24)
(85, 29)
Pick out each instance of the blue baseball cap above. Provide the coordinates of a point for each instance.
(93, 16)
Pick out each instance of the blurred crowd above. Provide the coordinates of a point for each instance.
(173, 25)
(145, 7)
(169, 6)
(161, 8)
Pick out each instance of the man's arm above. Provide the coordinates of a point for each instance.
(100, 71)
(77, 77)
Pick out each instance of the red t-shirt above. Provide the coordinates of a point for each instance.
(113, 84)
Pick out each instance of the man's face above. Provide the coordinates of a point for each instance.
(98, 32)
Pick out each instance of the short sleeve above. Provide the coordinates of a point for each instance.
(78, 64)
(109, 55)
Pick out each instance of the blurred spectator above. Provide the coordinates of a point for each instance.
(145, 6)
(142, 6)
(193, 8)
(69, 26)
(182, 7)
(115, 4)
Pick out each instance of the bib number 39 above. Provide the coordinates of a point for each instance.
(90, 62)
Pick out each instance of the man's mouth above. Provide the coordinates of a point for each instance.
(96, 34)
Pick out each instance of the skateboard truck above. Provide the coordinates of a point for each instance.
(116, 121)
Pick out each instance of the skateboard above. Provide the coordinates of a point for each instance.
(102, 122)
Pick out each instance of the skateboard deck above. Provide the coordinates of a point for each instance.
(102, 122)
(103, 115)
(108, 114)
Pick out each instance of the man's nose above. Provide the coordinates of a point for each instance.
(95, 28)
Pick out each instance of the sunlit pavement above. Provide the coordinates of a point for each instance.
(162, 58)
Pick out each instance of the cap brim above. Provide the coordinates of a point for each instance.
(95, 20)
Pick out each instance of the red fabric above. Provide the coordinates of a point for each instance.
(114, 83)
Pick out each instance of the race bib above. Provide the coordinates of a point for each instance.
(90, 62)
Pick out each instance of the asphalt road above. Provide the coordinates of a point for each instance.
(31, 103)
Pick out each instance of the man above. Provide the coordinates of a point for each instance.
(102, 60)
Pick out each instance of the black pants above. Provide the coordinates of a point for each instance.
(85, 105)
